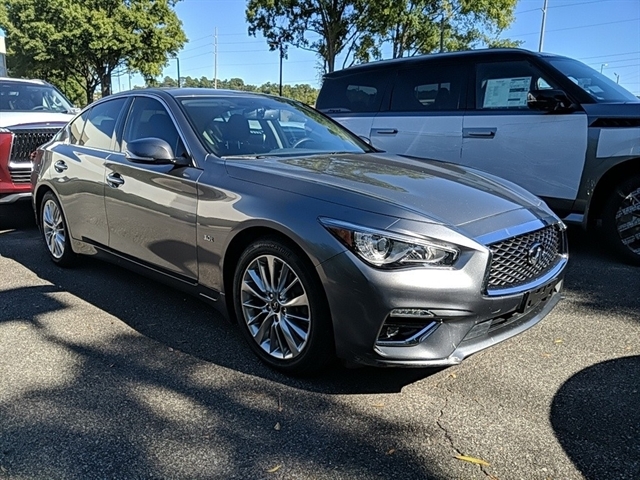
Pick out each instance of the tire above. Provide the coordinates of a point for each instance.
(281, 308)
(622, 211)
(55, 231)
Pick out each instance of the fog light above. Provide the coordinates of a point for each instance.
(390, 332)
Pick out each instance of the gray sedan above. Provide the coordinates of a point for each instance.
(320, 246)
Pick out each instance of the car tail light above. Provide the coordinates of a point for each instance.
(6, 140)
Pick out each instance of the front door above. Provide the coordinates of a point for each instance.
(151, 209)
(543, 152)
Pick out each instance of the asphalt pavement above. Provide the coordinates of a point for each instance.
(106, 374)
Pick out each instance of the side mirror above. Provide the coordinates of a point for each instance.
(153, 150)
(548, 100)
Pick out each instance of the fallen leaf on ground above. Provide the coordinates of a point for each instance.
(391, 452)
(477, 461)
(277, 426)
(557, 340)
(453, 375)
(378, 405)
(274, 469)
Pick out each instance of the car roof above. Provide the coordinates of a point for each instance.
(498, 52)
(23, 80)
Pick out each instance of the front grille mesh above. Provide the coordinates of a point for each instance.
(25, 141)
(513, 262)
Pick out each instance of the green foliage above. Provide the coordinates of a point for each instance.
(331, 24)
(424, 26)
(304, 93)
(357, 30)
(82, 42)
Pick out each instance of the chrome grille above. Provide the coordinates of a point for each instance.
(519, 260)
(20, 175)
(25, 141)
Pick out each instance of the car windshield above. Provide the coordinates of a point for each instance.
(255, 126)
(601, 88)
(26, 97)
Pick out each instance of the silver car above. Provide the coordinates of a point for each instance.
(319, 245)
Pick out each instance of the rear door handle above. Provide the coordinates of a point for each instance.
(479, 132)
(60, 166)
(114, 180)
(385, 131)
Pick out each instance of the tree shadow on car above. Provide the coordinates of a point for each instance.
(181, 321)
(596, 418)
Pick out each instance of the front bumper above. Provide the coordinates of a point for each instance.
(464, 320)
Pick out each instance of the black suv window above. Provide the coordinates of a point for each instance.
(149, 118)
(359, 92)
(428, 87)
(505, 85)
(101, 122)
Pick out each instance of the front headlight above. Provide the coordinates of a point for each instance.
(390, 250)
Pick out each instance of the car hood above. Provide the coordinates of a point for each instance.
(14, 119)
(389, 184)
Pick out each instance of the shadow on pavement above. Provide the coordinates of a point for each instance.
(177, 320)
(598, 280)
(18, 215)
(596, 418)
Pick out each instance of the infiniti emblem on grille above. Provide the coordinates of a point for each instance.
(535, 254)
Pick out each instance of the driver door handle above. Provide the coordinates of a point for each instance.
(60, 166)
(479, 132)
(114, 180)
(385, 131)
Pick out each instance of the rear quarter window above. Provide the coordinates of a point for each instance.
(355, 93)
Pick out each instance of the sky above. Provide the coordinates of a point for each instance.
(604, 34)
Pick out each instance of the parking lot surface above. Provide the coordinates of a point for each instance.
(106, 374)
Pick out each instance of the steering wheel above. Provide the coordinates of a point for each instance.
(301, 141)
(39, 107)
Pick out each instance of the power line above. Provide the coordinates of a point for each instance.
(560, 6)
(578, 27)
(610, 55)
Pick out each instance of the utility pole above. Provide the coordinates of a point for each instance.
(281, 57)
(544, 22)
(215, 58)
(442, 33)
(617, 77)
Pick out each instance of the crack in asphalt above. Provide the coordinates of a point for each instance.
(450, 438)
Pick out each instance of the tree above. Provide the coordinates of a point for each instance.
(413, 27)
(86, 40)
(331, 24)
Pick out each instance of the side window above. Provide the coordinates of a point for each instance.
(428, 87)
(505, 85)
(101, 122)
(360, 92)
(76, 128)
(149, 118)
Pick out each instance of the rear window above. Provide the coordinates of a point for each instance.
(356, 93)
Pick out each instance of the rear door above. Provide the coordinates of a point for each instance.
(353, 100)
(543, 152)
(425, 114)
(78, 170)
(151, 209)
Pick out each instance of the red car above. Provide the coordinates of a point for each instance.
(31, 113)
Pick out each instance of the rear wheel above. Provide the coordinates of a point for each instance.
(55, 231)
(621, 219)
(281, 308)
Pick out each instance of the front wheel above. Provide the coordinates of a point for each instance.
(621, 219)
(55, 231)
(281, 308)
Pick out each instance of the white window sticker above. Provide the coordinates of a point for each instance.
(506, 92)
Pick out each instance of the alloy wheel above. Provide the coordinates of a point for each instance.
(628, 221)
(275, 307)
(53, 228)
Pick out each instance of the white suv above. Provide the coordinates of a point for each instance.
(31, 113)
(548, 123)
